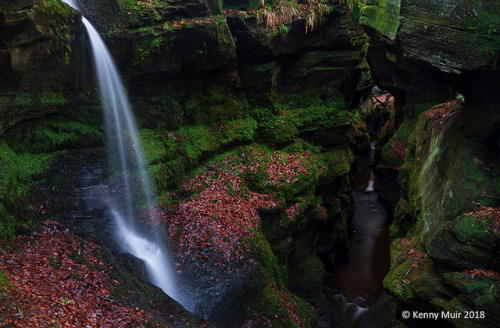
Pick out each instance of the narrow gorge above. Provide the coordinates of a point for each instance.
(282, 163)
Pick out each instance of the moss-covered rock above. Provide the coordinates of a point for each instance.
(481, 301)
(30, 150)
(467, 242)
(276, 249)
(260, 78)
(435, 32)
(40, 48)
(305, 269)
(429, 38)
(446, 209)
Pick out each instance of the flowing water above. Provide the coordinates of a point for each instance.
(125, 158)
(361, 278)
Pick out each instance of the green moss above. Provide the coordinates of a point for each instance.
(471, 230)
(164, 112)
(477, 173)
(260, 78)
(22, 99)
(397, 281)
(279, 131)
(5, 288)
(169, 175)
(55, 134)
(137, 10)
(28, 151)
(217, 105)
(150, 40)
(8, 223)
(312, 169)
(52, 18)
(384, 18)
(403, 135)
(305, 269)
(275, 301)
(198, 139)
(466, 242)
(299, 116)
(221, 31)
(279, 308)
(338, 161)
(268, 264)
(19, 173)
(52, 98)
(480, 296)
(172, 154)
(297, 99)
(4, 280)
(157, 146)
(157, 43)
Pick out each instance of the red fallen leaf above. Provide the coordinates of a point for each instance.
(44, 297)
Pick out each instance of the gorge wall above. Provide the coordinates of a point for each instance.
(439, 60)
(247, 122)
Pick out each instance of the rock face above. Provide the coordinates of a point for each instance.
(40, 79)
(39, 47)
(427, 53)
(207, 81)
(189, 46)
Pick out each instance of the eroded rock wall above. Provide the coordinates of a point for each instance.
(445, 248)
(190, 46)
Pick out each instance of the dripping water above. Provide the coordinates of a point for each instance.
(125, 158)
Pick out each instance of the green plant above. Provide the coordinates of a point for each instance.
(53, 262)
(4, 280)
(52, 18)
(491, 29)
(150, 43)
(284, 29)
(167, 27)
(277, 16)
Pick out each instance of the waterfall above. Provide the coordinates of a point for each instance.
(125, 157)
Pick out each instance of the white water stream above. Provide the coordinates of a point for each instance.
(125, 157)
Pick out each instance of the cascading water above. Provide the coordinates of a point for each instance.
(125, 156)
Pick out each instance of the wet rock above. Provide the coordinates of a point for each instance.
(234, 49)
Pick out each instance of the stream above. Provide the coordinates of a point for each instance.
(360, 280)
